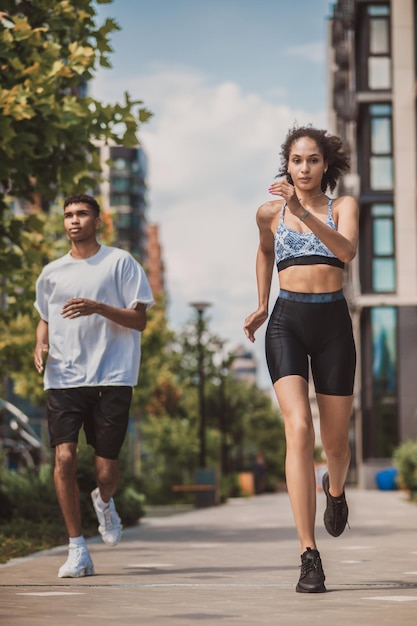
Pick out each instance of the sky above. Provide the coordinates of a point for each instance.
(225, 80)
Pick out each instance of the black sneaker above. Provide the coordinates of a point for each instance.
(312, 576)
(336, 513)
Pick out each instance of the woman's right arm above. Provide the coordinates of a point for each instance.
(264, 268)
(42, 345)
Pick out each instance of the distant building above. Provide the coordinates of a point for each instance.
(372, 75)
(244, 366)
(155, 265)
(123, 190)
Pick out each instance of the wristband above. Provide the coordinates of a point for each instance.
(302, 218)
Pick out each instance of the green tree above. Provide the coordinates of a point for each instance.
(49, 129)
(49, 50)
(241, 418)
(158, 392)
(249, 423)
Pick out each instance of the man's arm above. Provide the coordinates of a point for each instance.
(129, 318)
(41, 346)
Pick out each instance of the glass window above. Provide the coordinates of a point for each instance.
(384, 382)
(380, 110)
(383, 237)
(120, 199)
(382, 210)
(121, 164)
(381, 173)
(381, 135)
(120, 184)
(381, 170)
(383, 248)
(378, 9)
(383, 275)
(123, 220)
(384, 348)
(378, 36)
(379, 73)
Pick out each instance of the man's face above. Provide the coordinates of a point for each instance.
(80, 222)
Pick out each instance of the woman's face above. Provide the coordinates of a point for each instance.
(306, 164)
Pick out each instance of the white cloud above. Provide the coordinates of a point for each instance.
(212, 152)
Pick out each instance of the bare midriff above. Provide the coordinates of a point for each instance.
(311, 278)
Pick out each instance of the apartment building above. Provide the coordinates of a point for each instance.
(124, 190)
(372, 96)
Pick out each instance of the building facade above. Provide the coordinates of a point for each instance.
(123, 190)
(155, 264)
(372, 93)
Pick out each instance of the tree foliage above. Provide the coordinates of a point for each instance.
(49, 125)
(241, 419)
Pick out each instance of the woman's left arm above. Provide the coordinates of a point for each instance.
(343, 242)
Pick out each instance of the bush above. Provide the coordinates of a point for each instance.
(230, 487)
(29, 495)
(30, 517)
(169, 457)
(405, 460)
(130, 505)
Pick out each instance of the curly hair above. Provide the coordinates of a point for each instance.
(334, 150)
(83, 198)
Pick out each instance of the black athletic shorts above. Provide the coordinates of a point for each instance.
(312, 326)
(102, 411)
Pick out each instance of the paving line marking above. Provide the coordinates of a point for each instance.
(149, 565)
(50, 593)
(206, 545)
(393, 598)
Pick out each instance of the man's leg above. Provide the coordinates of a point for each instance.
(79, 561)
(66, 486)
(111, 419)
(107, 478)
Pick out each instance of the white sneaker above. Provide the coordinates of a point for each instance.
(78, 564)
(110, 527)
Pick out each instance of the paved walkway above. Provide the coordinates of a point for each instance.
(232, 564)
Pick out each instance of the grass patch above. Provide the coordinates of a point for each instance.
(21, 538)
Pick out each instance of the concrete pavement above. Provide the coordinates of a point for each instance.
(235, 564)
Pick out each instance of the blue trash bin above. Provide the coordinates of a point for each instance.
(386, 479)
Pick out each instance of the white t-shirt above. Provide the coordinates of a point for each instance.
(91, 350)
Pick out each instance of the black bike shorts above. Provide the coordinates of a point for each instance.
(102, 411)
(312, 326)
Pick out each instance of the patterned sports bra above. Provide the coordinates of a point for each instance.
(294, 248)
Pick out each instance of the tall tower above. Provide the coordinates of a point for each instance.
(123, 190)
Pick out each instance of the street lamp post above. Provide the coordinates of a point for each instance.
(200, 307)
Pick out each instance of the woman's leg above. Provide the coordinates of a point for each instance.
(335, 414)
(292, 396)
